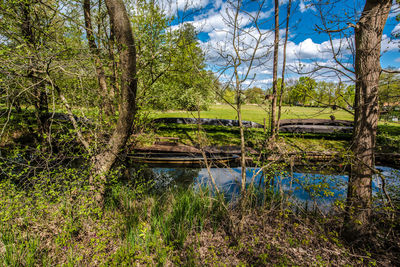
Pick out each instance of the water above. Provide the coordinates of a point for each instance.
(321, 189)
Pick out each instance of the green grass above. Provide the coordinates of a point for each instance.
(137, 226)
(257, 114)
(388, 132)
(223, 136)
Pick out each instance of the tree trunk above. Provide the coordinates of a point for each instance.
(283, 66)
(114, 92)
(368, 34)
(39, 90)
(103, 162)
(242, 152)
(41, 106)
(275, 71)
(101, 77)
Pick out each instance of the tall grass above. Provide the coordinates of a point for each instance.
(56, 223)
(48, 225)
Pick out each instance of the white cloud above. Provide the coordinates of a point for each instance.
(171, 7)
(213, 22)
(395, 10)
(218, 4)
(396, 29)
(191, 4)
(308, 49)
(302, 56)
(389, 44)
(305, 7)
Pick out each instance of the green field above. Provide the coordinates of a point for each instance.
(387, 140)
(257, 114)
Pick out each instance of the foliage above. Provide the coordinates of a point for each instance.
(54, 221)
(389, 90)
(254, 95)
(187, 85)
(47, 212)
(303, 90)
(306, 91)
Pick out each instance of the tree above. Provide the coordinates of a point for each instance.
(28, 32)
(275, 70)
(389, 89)
(241, 52)
(303, 90)
(155, 49)
(187, 80)
(171, 63)
(323, 93)
(101, 77)
(103, 161)
(254, 95)
(282, 85)
(368, 35)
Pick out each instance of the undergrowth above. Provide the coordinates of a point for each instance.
(49, 218)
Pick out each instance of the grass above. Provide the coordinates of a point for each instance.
(219, 135)
(20, 128)
(136, 227)
(257, 113)
(387, 140)
(47, 216)
(180, 226)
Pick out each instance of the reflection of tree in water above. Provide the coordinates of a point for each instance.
(303, 186)
(163, 178)
(184, 176)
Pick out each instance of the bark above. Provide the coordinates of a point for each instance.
(242, 152)
(39, 90)
(103, 162)
(238, 90)
(41, 106)
(114, 92)
(101, 77)
(283, 66)
(275, 71)
(368, 35)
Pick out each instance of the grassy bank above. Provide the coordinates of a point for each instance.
(48, 217)
(45, 222)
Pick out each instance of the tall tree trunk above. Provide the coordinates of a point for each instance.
(243, 189)
(114, 92)
(39, 90)
(275, 71)
(101, 77)
(103, 162)
(242, 152)
(368, 35)
(283, 66)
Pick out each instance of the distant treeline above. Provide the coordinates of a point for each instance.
(306, 91)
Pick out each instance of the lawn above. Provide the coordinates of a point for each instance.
(388, 132)
(257, 113)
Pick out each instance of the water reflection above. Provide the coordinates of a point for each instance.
(305, 186)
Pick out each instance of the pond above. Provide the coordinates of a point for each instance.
(302, 187)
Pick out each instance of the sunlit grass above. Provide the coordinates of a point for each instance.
(257, 113)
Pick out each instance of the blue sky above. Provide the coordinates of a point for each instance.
(306, 47)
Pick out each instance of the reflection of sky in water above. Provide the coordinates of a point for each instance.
(302, 186)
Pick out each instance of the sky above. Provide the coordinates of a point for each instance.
(306, 48)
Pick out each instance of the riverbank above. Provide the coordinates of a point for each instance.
(59, 225)
(48, 216)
